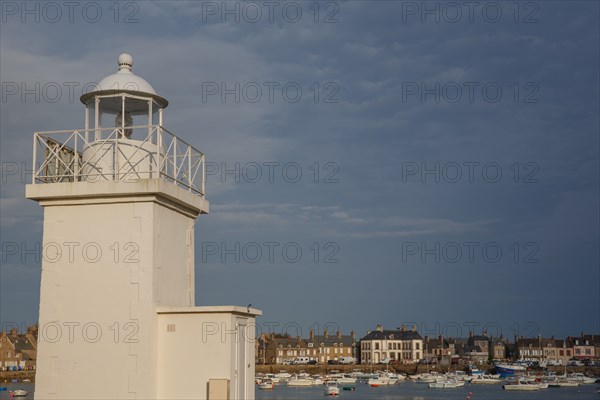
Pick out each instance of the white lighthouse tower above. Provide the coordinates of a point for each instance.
(117, 314)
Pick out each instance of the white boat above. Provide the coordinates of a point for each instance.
(346, 380)
(331, 388)
(300, 382)
(563, 383)
(459, 376)
(525, 386)
(266, 384)
(316, 381)
(18, 393)
(581, 378)
(485, 380)
(272, 377)
(383, 379)
(430, 377)
(447, 384)
(283, 375)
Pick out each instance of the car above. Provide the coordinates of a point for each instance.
(312, 362)
(574, 363)
(333, 362)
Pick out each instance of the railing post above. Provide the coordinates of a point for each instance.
(158, 147)
(35, 139)
(189, 172)
(203, 176)
(75, 157)
(174, 139)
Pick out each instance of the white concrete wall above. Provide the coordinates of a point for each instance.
(196, 346)
(146, 260)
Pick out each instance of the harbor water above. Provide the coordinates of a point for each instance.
(401, 391)
(420, 391)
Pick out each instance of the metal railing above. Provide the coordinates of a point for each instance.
(117, 154)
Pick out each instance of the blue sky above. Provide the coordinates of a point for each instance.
(449, 157)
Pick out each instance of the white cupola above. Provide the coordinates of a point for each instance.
(123, 94)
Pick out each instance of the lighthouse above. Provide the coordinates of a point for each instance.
(117, 314)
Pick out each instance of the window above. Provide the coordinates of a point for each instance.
(417, 346)
(376, 346)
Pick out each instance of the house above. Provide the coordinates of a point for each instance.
(326, 347)
(497, 348)
(280, 349)
(477, 348)
(18, 351)
(439, 350)
(584, 346)
(402, 345)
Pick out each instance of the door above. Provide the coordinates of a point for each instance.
(242, 359)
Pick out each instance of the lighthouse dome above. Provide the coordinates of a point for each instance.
(124, 81)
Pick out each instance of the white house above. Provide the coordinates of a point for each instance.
(117, 315)
(401, 345)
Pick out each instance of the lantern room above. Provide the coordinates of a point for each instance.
(123, 100)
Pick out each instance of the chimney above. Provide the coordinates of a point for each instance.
(414, 328)
(326, 334)
(339, 334)
(379, 328)
(312, 335)
(272, 335)
(14, 332)
(353, 335)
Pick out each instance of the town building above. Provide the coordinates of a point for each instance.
(440, 350)
(330, 348)
(400, 345)
(18, 351)
(585, 346)
(280, 349)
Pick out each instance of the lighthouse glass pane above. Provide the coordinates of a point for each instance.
(155, 115)
(91, 114)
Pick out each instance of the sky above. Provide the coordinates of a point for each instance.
(368, 162)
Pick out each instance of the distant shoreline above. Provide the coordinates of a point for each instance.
(8, 376)
(404, 368)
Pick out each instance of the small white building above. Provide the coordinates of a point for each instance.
(401, 345)
(117, 316)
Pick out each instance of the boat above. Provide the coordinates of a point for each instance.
(283, 375)
(3, 388)
(430, 377)
(266, 384)
(300, 382)
(581, 378)
(272, 377)
(558, 383)
(331, 388)
(383, 379)
(346, 380)
(524, 385)
(316, 381)
(505, 369)
(18, 393)
(447, 384)
(474, 370)
(485, 380)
